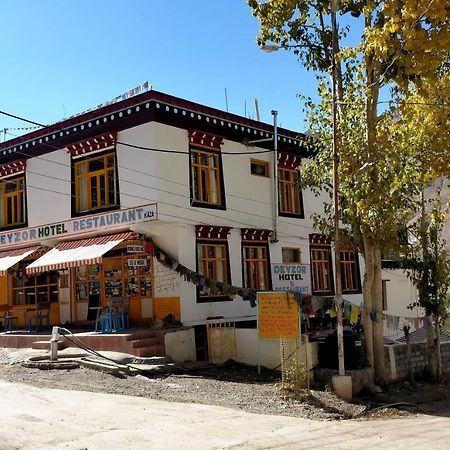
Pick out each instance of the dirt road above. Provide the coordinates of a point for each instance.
(42, 418)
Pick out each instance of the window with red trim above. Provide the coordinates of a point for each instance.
(212, 263)
(321, 269)
(288, 192)
(96, 183)
(350, 275)
(206, 178)
(255, 260)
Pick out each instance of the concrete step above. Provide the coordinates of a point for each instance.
(45, 345)
(141, 334)
(153, 350)
(147, 342)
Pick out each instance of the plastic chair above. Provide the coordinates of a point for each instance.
(120, 312)
(40, 315)
(107, 320)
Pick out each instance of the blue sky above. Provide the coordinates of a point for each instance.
(59, 58)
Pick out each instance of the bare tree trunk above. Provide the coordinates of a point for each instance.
(438, 350)
(367, 298)
(378, 328)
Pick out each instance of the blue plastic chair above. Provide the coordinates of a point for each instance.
(119, 307)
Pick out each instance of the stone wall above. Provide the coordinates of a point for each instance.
(397, 363)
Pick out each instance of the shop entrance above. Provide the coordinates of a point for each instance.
(120, 274)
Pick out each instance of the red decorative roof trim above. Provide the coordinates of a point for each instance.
(96, 143)
(254, 234)
(319, 239)
(201, 139)
(13, 168)
(288, 161)
(211, 232)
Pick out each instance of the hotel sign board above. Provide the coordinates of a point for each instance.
(291, 278)
(77, 227)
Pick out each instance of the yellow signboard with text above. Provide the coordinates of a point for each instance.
(277, 315)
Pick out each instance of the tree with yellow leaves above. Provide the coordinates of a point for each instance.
(402, 47)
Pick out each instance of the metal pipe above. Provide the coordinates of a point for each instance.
(337, 248)
(275, 176)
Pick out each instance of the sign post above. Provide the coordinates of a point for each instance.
(278, 317)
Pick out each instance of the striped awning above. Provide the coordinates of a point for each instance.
(10, 257)
(78, 253)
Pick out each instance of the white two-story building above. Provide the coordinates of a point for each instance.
(79, 198)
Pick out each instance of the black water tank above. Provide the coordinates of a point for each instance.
(354, 352)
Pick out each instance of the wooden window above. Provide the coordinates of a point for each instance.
(289, 193)
(351, 280)
(291, 255)
(255, 261)
(12, 204)
(261, 168)
(206, 178)
(96, 186)
(34, 289)
(213, 263)
(321, 270)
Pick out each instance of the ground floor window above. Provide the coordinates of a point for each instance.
(213, 264)
(321, 270)
(255, 261)
(351, 279)
(34, 289)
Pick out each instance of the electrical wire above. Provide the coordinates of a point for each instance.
(157, 189)
(142, 173)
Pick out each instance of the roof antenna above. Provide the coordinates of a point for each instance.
(257, 110)
(226, 99)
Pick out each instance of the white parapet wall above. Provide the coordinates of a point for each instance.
(266, 352)
(180, 345)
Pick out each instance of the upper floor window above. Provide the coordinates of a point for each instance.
(291, 255)
(350, 276)
(259, 167)
(212, 262)
(96, 184)
(289, 194)
(12, 204)
(207, 186)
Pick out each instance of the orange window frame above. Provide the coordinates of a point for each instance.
(213, 263)
(12, 194)
(254, 163)
(351, 282)
(321, 270)
(256, 267)
(289, 194)
(93, 189)
(206, 176)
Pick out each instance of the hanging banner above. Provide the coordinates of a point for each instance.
(291, 277)
(277, 315)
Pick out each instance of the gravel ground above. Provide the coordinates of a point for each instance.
(232, 386)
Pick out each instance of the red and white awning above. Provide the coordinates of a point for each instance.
(10, 257)
(78, 253)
